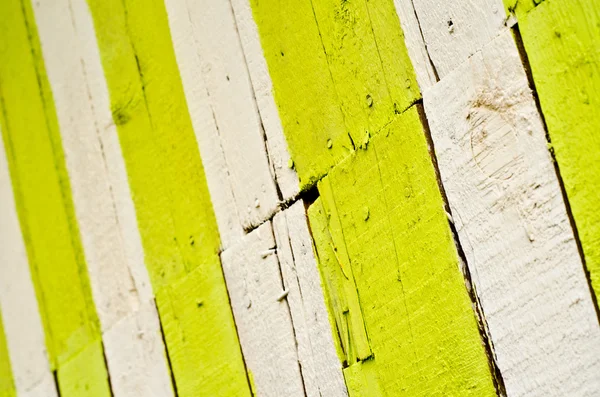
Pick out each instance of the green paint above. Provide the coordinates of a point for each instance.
(201, 335)
(339, 69)
(42, 190)
(410, 292)
(7, 385)
(173, 207)
(85, 374)
(562, 39)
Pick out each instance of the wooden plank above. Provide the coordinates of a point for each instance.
(262, 314)
(43, 195)
(81, 117)
(135, 355)
(380, 219)
(175, 217)
(198, 325)
(512, 222)
(415, 44)
(85, 374)
(213, 53)
(7, 384)
(455, 30)
(340, 73)
(561, 41)
(286, 177)
(320, 366)
(21, 316)
(119, 286)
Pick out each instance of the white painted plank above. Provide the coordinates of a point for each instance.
(101, 195)
(46, 388)
(454, 30)
(207, 48)
(204, 123)
(18, 303)
(415, 44)
(136, 356)
(262, 315)
(287, 179)
(511, 219)
(320, 365)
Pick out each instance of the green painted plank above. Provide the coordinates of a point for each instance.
(201, 335)
(340, 73)
(380, 220)
(520, 7)
(42, 191)
(174, 212)
(7, 385)
(562, 39)
(85, 374)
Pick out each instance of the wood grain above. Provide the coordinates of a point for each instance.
(380, 219)
(561, 41)
(319, 363)
(512, 222)
(262, 314)
(208, 49)
(43, 200)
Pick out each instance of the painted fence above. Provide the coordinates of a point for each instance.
(312, 198)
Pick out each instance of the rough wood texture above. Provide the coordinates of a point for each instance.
(18, 304)
(381, 221)
(415, 44)
(73, 66)
(174, 212)
(561, 40)
(201, 335)
(262, 314)
(340, 73)
(119, 285)
(320, 366)
(455, 30)
(286, 177)
(135, 355)
(214, 72)
(43, 197)
(512, 222)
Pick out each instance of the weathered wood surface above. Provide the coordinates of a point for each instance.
(175, 217)
(511, 220)
(20, 314)
(224, 114)
(380, 220)
(319, 363)
(415, 44)
(561, 40)
(340, 73)
(286, 177)
(119, 281)
(262, 314)
(455, 30)
(43, 200)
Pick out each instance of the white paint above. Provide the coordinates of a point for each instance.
(320, 365)
(133, 344)
(415, 44)
(454, 30)
(18, 303)
(263, 320)
(513, 226)
(103, 205)
(46, 388)
(218, 88)
(287, 179)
